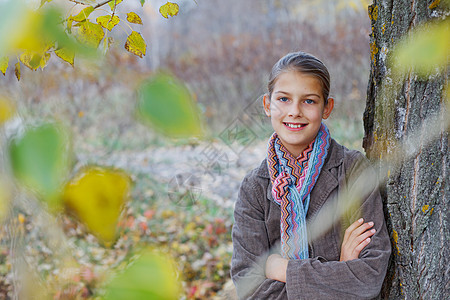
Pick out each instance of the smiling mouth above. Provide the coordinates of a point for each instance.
(294, 125)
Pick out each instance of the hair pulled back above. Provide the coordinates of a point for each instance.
(304, 63)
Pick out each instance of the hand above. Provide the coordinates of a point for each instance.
(357, 236)
(276, 267)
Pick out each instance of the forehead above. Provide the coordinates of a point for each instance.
(298, 82)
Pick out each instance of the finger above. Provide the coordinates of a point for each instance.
(363, 236)
(361, 246)
(351, 228)
(361, 229)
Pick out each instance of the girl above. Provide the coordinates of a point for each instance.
(304, 170)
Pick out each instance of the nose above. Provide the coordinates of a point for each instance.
(294, 110)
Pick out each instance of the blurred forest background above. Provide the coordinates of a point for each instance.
(184, 189)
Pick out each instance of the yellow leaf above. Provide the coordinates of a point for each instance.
(134, 18)
(108, 22)
(82, 15)
(7, 110)
(17, 70)
(425, 50)
(136, 44)
(4, 61)
(96, 196)
(90, 33)
(31, 59)
(169, 9)
(66, 54)
(114, 3)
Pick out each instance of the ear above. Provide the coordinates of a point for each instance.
(328, 108)
(266, 104)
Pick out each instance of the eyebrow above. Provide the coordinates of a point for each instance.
(307, 95)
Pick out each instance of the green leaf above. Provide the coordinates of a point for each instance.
(108, 22)
(114, 3)
(152, 276)
(66, 54)
(169, 9)
(134, 18)
(82, 15)
(97, 196)
(4, 61)
(90, 33)
(136, 44)
(17, 70)
(165, 104)
(40, 160)
(142, 2)
(426, 50)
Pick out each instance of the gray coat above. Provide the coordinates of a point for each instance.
(256, 235)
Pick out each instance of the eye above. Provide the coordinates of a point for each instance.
(309, 101)
(283, 99)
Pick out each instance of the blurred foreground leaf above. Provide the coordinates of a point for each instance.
(96, 196)
(166, 104)
(5, 198)
(151, 277)
(7, 110)
(136, 44)
(426, 50)
(169, 9)
(40, 160)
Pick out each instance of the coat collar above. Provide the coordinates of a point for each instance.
(327, 181)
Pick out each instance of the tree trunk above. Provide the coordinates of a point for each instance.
(416, 194)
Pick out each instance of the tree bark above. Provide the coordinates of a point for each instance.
(416, 194)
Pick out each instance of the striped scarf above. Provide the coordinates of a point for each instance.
(292, 181)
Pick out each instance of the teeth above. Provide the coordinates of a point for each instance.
(293, 126)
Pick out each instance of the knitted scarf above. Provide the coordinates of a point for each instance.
(292, 181)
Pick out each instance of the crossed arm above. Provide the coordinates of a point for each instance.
(357, 236)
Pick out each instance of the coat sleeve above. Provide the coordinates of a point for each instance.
(251, 246)
(360, 278)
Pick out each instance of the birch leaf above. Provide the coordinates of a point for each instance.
(114, 3)
(136, 44)
(66, 54)
(90, 33)
(83, 15)
(166, 104)
(97, 196)
(4, 61)
(134, 18)
(17, 70)
(142, 2)
(108, 22)
(169, 9)
(34, 60)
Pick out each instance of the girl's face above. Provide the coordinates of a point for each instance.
(296, 109)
